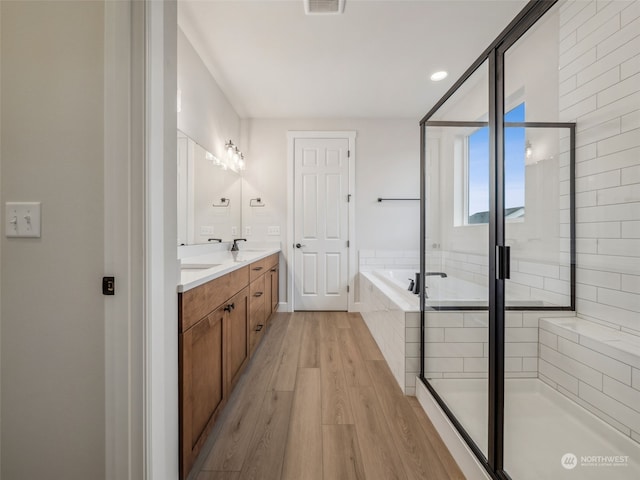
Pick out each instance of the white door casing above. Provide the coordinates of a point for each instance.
(321, 223)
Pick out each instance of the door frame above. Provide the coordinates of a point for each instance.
(124, 89)
(141, 338)
(292, 135)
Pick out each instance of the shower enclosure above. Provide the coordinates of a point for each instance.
(498, 217)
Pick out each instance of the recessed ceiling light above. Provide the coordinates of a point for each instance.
(437, 76)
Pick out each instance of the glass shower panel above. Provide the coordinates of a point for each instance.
(456, 245)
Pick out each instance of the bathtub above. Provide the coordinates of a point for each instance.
(441, 292)
(456, 333)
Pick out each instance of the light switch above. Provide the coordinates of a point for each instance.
(22, 219)
(234, 231)
(275, 230)
(206, 230)
(247, 231)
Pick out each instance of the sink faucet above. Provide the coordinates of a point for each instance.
(234, 247)
(438, 274)
(219, 240)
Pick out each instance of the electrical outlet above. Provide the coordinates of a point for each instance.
(275, 230)
(22, 219)
(247, 231)
(206, 230)
(234, 231)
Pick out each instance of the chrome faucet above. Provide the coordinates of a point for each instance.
(234, 247)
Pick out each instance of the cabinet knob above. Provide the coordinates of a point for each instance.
(229, 307)
(259, 327)
(257, 269)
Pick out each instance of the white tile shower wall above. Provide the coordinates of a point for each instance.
(600, 91)
(596, 366)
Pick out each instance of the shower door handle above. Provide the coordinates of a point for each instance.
(503, 262)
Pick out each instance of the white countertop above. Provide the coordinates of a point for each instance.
(221, 264)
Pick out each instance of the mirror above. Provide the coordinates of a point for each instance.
(209, 195)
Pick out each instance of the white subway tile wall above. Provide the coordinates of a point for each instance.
(600, 91)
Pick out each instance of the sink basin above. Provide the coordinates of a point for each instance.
(198, 266)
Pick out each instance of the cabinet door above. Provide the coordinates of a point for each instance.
(237, 335)
(202, 383)
(275, 282)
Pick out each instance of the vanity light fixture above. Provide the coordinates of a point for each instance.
(440, 75)
(528, 150)
(241, 163)
(229, 146)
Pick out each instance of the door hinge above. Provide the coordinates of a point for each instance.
(347, 288)
(348, 153)
(348, 197)
(348, 244)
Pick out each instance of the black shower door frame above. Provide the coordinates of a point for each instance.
(497, 253)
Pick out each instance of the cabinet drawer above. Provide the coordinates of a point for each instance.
(194, 304)
(258, 268)
(257, 330)
(257, 300)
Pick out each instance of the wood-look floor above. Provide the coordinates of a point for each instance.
(318, 402)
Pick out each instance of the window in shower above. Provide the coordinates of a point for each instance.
(516, 153)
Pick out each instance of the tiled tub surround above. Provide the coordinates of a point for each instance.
(595, 366)
(456, 342)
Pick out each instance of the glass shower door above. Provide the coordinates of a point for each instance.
(456, 176)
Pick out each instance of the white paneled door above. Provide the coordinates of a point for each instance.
(321, 233)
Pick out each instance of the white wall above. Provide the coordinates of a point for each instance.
(387, 165)
(52, 377)
(600, 91)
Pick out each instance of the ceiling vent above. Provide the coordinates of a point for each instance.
(323, 7)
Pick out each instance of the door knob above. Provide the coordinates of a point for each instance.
(298, 245)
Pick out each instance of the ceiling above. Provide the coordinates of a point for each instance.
(273, 61)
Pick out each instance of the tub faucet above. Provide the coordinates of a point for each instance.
(438, 274)
(417, 284)
(234, 247)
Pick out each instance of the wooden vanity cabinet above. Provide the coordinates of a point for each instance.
(202, 383)
(220, 325)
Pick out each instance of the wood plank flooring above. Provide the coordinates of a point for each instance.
(318, 402)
